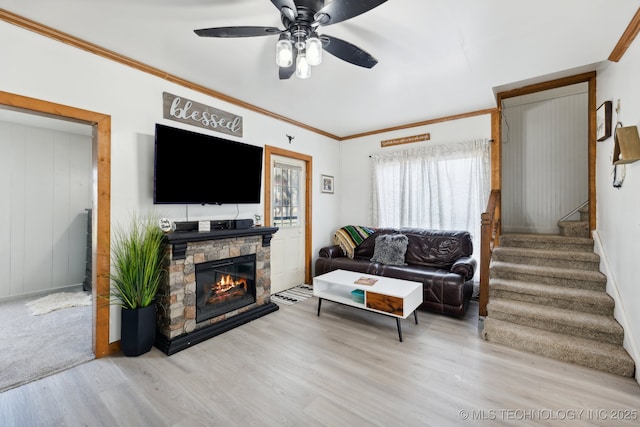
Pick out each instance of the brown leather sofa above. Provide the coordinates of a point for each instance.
(441, 260)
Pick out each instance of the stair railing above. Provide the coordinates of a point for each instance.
(585, 203)
(489, 238)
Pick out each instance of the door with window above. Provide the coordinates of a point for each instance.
(288, 178)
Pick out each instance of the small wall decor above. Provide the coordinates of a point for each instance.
(326, 184)
(626, 148)
(405, 140)
(603, 121)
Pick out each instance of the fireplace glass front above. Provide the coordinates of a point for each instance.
(224, 285)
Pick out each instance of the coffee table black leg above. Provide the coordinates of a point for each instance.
(399, 328)
(319, 303)
(415, 316)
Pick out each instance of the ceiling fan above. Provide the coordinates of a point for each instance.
(299, 46)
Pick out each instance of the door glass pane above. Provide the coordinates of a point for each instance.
(285, 195)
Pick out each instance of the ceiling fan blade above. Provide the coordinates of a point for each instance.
(348, 52)
(286, 72)
(287, 7)
(341, 10)
(238, 31)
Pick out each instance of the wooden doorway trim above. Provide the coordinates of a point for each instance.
(308, 160)
(589, 78)
(101, 203)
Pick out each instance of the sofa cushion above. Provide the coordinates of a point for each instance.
(390, 249)
(436, 248)
(365, 249)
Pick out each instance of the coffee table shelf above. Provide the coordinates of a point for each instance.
(391, 297)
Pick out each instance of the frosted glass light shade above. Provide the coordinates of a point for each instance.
(284, 53)
(303, 69)
(314, 50)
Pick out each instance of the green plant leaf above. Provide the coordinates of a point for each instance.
(138, 263)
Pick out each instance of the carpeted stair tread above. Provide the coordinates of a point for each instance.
(570, 277)
(547, 257)
(574, 228)
(589, 301)
(570, 322)
(546, 241)
(581, 351)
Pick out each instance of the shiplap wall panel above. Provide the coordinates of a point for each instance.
(5, 209)
(48, 186)
(38, 245)
(75, 225)
(545, 165)
(61, 214)
(17, 221)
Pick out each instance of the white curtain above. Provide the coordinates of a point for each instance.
(443, 187)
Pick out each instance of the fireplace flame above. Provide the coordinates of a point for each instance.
(226, 283)
(227, 288)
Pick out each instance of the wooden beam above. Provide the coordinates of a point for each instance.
(626, 39)
(422, 123)
(551, 84)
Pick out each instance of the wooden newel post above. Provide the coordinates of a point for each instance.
(485, 256)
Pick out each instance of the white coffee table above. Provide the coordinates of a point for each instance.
(391, 297)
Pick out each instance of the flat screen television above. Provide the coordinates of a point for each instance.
(194, 168)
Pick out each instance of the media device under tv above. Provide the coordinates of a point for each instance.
(194, 168)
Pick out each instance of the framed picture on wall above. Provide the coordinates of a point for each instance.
(326, 184)
(603, 121)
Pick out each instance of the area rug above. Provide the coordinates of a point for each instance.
(34, 347)
(293, 295)
(58, 301)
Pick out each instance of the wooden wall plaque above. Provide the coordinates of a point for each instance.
(405, 140)
(194, 113)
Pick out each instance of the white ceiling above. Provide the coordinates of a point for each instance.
(436, 57)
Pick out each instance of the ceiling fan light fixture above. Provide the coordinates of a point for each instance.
(284, 51)
(301, 19)
(314, 50)
(303, 69)
(320, 19)
(289, 13)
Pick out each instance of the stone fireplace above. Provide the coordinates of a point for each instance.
(217, 280)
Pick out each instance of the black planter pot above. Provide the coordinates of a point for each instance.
(137, 330)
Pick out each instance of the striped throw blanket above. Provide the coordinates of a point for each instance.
(350, 236)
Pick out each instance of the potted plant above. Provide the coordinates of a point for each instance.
(138, 267)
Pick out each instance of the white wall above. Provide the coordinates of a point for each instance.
(42, 68)
(45, 178)
(618, 209)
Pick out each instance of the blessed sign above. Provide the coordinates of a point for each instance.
(186, 111)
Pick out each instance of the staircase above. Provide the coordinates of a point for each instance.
(578, 228)
(547, 296)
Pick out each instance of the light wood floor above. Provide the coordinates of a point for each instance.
(344, 368)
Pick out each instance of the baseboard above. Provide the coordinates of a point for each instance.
(42, 293)
(619, 312)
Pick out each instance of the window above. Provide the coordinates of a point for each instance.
(286, 195)
(442, 187)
